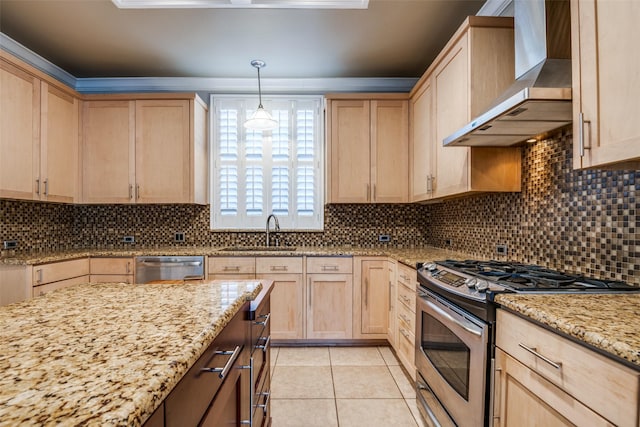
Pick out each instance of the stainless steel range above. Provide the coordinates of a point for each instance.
(455, 331)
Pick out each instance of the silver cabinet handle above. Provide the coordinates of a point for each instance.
(38, 186)
(231, 268)
(405, 333)
(265, 405)
(128, 268)
(368, 193)
(227, 367)
(39, 279)
(374, 192)
(137, 191)
(329, 268)
(130, 191)
(366, 292)
(46, 186)
(309, 289)
(581, 144)
(264, 347)
(264, 322)
(533, 350)
(279, 268)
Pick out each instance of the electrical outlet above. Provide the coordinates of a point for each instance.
(9, 244)
(128, 239)
(501, 249)
(384, 238)
(178, 237)
(447, 242)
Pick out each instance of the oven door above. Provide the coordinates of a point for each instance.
(451, 355)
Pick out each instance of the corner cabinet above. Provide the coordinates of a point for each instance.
(38, 135)
(606, 86)
(144, 149)
(454, 90)
(367, 148)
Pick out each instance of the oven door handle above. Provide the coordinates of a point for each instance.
(463, 323)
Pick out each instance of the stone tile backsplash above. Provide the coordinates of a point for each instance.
(579, 221)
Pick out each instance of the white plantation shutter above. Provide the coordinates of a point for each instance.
(255, 174)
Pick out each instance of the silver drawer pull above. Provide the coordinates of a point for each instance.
(265, 405)
(279, 268)
(264, 322)
(405, 333)
(231, 268)
(532, 350)
(265, 346)
(329, 268)
(403, 317)
(227, 367)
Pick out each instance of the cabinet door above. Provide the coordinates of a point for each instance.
(108, 151)
(389, 151)
(523, 398)
(392, 312)
(19, 133)
(372, 298)
(606, 86)
(349, 151)
(451, 80)
(162, 151)
(287, 306)
(59, 145)
(422, 141)
(329, 306)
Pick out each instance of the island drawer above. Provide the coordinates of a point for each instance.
(573, 368)
(279, 265)
(232, 265)
(63, 270)
(189, 400)
(330, 265)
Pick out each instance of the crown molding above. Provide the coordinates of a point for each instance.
(244, 85)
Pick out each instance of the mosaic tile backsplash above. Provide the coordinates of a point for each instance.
(578, 221)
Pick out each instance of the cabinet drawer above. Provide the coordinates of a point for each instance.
(43, 289)
(406, 318)
(407, 297)
(232, 265)
(47, 273)
(605, 386)
(111, 278)
(407, 345)
(111, 265)
(328, 265)
(266, 265)
(407, 276)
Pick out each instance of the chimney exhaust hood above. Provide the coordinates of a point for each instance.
(540, 99)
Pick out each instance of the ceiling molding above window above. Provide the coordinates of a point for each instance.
(242, 4)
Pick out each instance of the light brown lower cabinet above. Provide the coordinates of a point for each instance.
(329, 306)
(371, 297)
(107, 270)
(543, 379)
(57, 275)
(406, 318)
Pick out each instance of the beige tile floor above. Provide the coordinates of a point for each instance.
(340, 387)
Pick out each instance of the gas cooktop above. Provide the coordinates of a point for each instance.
(526, 277)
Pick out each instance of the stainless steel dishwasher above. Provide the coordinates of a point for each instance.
(151, 268)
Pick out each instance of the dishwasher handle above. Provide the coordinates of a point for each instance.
(172, 263)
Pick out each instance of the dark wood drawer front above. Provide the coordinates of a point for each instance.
(191, 397)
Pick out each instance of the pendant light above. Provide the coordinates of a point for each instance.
(260, 119)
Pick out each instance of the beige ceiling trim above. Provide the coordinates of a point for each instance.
(238, 4)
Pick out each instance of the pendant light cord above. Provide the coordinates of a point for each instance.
(259, 90)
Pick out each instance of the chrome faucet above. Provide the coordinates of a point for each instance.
(277, 229)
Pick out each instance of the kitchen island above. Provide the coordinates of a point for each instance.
(108, 354)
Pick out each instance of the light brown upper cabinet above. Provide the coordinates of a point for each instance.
(454, 90)
(368, 148)
(144, 150)
(606, 84)
(38, 137)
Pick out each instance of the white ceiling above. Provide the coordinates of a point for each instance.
(94, 38)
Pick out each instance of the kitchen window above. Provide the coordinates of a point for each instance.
(258, 173)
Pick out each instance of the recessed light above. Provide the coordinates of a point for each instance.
(241, 4)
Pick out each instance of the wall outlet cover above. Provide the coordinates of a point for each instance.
(501, 249)
(178, 237)
(128, 239)
(384, 238)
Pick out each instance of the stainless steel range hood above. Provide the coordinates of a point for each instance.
(540, 99)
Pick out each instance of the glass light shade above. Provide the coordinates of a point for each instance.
(260, 120)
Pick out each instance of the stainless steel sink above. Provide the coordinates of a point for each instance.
(258, 249)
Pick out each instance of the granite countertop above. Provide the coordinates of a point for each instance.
(107, 354)
(605, 322)
(408, 256)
